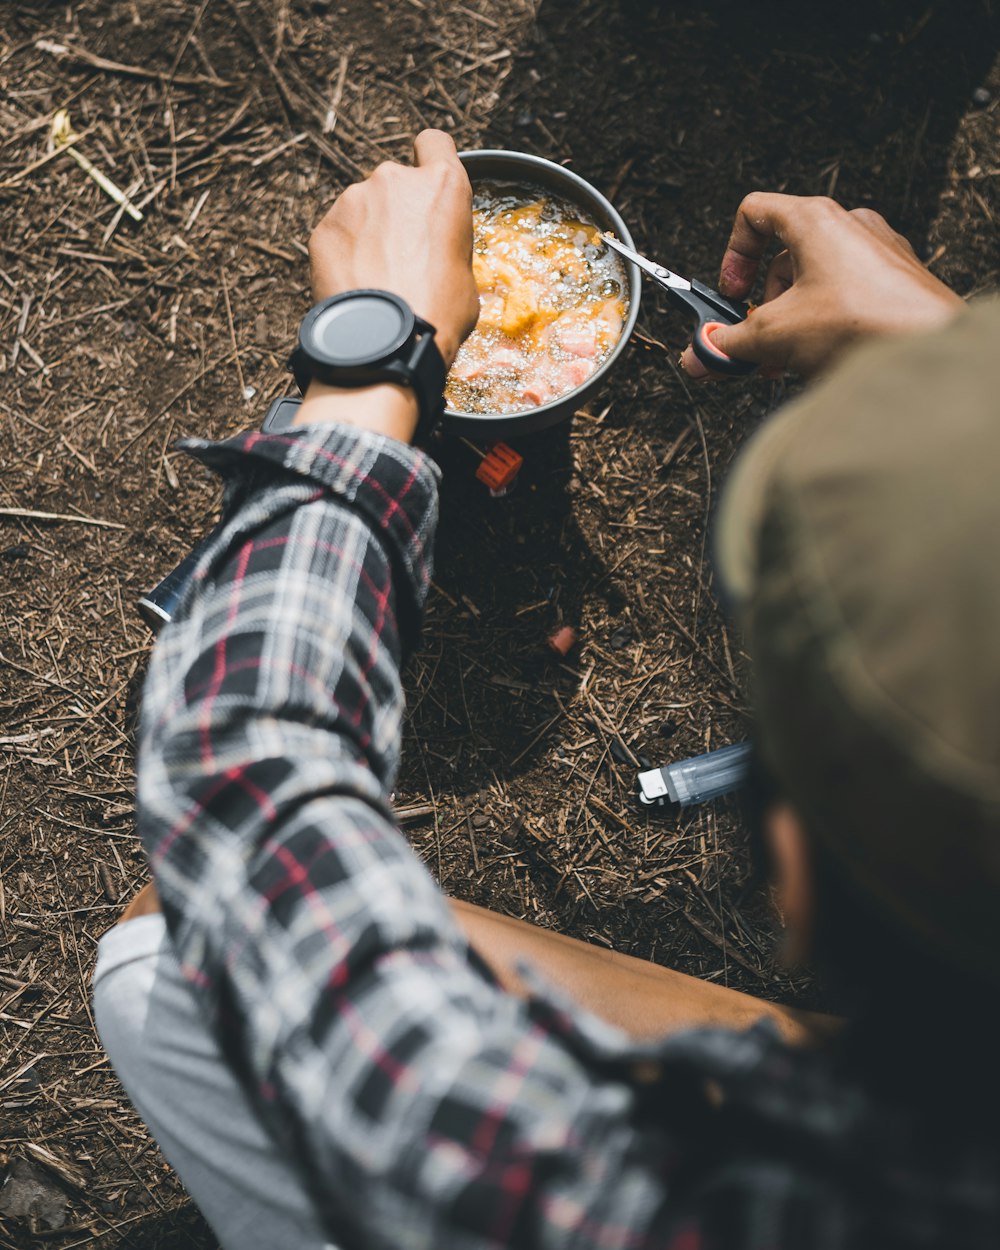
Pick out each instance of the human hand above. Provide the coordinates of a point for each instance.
(409, 231)
(843, 277)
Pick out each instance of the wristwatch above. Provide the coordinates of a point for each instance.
(362, 337)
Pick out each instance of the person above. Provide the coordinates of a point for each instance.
(332, 1054)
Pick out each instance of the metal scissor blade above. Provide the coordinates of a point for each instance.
(659, 273)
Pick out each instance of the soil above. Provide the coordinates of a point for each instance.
(231, 123)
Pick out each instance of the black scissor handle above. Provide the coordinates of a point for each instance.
(713, 357)
(714, 310)
(728, 311)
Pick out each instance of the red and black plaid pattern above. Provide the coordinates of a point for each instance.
(427, 1108)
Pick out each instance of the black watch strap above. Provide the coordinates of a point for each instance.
(427, 374)
(422, 369)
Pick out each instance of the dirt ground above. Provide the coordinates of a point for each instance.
(231, 123)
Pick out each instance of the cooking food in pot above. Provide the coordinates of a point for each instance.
(552, 298)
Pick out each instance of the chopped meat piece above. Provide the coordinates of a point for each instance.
(490, 311)
(538, 391)
(506, 273)
(520, 310)
(554, 379)
(610, 319)
(468, 369)
(576, 335)
(483, 273)
(570, 374)
(506, 358)
(471, 368)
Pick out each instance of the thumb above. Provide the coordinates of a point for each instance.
(434, 145)
(722, 337)
(737, 341)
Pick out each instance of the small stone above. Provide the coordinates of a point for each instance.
(982, 96)
(619, 752)
(29, 1195)
(621, 637)
(16, 552)
(480, 820)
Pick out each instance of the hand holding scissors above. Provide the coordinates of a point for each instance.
(840, 278)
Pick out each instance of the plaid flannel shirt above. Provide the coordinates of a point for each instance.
(424, 1106)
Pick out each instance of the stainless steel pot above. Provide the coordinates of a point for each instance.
(534, 171)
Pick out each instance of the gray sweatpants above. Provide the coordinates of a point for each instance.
(174, 1073)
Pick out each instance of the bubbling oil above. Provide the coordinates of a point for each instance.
(553, 300)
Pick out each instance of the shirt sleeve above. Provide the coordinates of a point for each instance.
(424, 1106)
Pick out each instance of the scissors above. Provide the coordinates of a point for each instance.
(711, 308)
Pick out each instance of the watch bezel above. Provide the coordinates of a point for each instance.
(313, 350)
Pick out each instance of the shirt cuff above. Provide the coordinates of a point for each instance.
(394, 486)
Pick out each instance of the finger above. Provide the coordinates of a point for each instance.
(696, 369)
(692, 366)
(763, 217)
(780, 276)
(758, 222)
(434, 145)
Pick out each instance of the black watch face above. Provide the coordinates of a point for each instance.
(360, 329)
